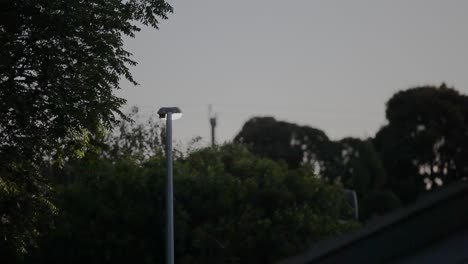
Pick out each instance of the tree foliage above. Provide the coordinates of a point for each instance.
(135, 138)
(230, 207)
(424, 144)
(353, 162)
(294, 144)
(364, 172)
(60, 63)
(25, 209)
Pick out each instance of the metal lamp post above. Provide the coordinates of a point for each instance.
(169, 114)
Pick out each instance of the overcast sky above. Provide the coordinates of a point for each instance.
(328, 64)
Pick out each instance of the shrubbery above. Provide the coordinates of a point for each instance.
(230, 207)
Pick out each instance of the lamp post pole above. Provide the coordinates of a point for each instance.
(169, 193)
(169, 114)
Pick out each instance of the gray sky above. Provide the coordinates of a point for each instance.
(328, 64)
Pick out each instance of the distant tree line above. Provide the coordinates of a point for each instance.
(423, 147)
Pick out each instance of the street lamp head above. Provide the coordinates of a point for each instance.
(175, 112)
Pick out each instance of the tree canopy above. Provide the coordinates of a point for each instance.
(297, 145)
(350, 161)
(230, 207)
(424, 144)
(60, 63)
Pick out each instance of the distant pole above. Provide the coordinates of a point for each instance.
(213, 126)
(169, 193)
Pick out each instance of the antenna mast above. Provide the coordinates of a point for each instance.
(213, 124)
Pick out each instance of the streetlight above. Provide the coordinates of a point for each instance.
(169, 114)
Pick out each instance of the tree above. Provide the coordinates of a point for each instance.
(353, 162)
(255, 210)
(230, 206)
(60, 63)
(297, 145)
(365, 173)
(139, 139)
(364, 170)
(424, 145)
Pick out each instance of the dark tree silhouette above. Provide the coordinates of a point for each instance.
(425, 143)
(364, 172)
(297, 145)
(363, 169)
(353, 162)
